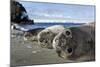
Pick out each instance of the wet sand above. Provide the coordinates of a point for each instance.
(25, 53)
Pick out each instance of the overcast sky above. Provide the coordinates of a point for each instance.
(51, 11)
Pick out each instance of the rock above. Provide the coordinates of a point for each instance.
(19, 14)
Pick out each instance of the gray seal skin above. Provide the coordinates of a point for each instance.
(76, 43)
(46, 36)
(31, 35)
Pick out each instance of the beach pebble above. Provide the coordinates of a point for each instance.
(25, 39)
(13, 36)
(29, 46)
(34, 51)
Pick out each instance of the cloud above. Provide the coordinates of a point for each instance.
(48, 15)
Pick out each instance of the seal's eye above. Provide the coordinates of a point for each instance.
(41, 40)
(69, 50)
(48, 32)
(67, 33)
(46, 41)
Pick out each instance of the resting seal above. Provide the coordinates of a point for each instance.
(76, 43)
(31, 35)
(45, 37)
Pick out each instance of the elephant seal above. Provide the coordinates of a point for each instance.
(46, 36)
(76, 43)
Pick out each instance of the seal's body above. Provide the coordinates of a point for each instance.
(76, 43)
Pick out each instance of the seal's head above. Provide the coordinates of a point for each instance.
(28, 36)
(74, 43)
(62, 43)
(31, 35)
(45, 38)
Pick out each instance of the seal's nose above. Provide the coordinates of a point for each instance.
(69, 50)
(67, 33)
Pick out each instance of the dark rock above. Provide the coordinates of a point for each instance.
(19, 14)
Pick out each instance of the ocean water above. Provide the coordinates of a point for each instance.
(44, 25)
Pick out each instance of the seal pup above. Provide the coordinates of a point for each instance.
(31, 35)
(46, 36)
(76, 43)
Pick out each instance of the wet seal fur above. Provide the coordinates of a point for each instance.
(76, 43)
(46, 36)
